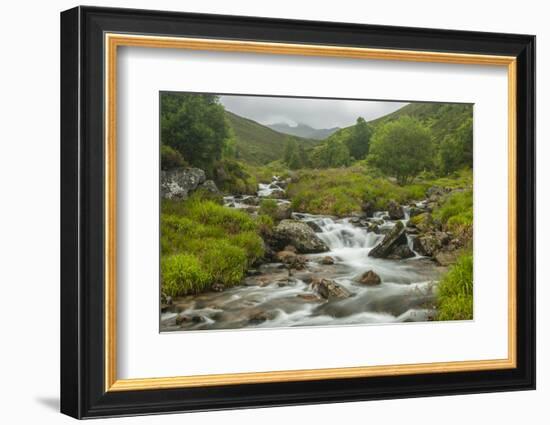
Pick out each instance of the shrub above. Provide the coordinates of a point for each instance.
(455, 291)
(182, 274)
(268, 207)
(456, 212)
(232, 177)
(253, 246)
(223, 262)
(264, 224)
(170, 158)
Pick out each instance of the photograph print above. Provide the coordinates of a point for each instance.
(287, 211)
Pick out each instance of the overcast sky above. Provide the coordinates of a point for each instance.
(317, 113)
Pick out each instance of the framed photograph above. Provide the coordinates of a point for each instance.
(261, 212)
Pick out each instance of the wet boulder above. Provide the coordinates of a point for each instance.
(327, 260)
(370, 278)
(400, 253)
(427, 245)
(314, 226)
(395, 238)
(368, 208)
(298, 234)
(414, 211)
(251, 200)
(257, 317)
(291, 259)
(423, 222)
(283, 211)
(395, 211)
(431, 243)
(277, 194)
(329, 289)
(310, 297)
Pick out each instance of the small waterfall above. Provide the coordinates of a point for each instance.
(265, 190)
(342, 234)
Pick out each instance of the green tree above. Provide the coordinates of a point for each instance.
(294, 154)
(401, 148)
(195, 126)
(358, 140)
(456, 149)
(332, 153)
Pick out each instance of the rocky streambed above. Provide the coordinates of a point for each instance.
(322, 270)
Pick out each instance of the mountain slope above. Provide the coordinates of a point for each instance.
(258, 144)
(304, 130)
(441, 118)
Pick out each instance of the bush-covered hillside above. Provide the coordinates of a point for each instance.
(258, 144)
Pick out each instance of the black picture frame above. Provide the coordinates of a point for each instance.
(83, 392)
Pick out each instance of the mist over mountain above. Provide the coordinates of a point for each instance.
(304, 130)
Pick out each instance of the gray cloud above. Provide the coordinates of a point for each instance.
(317, 113)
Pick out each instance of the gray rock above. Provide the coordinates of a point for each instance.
(178, 182)
(314, 226)
(277, 194)
(370, 278)
(298, 234)
(291, 259)
(251, 200)
(329, 289)
(395, 211)
(393, 239)
(401, 252)
(210, 186)
(283, 211)
(427, 244)
(368, 208)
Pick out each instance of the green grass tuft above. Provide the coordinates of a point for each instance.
(457, 211)
(203, 243)
(455, 291)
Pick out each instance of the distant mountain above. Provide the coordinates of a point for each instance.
(257, 143)
(304, 130)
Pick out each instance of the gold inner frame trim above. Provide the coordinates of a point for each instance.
(113, 41)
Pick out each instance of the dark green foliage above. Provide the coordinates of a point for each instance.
(231, 177)
(401, 148)
(170, 158)
(195, 126)
(203, 243)
(294, 154)
(332, 153)
(450, 125)
(456, 149)
(258, 144)
(358, 140)
(455, 291)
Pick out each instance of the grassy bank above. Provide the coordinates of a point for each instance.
(457, 211)
(203, 243)
(341, 191)
(455, 291)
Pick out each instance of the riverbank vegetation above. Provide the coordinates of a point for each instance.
(204, 243)
(455, 291)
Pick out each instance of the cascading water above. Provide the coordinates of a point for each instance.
(272, 298)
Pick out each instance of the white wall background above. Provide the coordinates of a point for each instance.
(29, 214)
